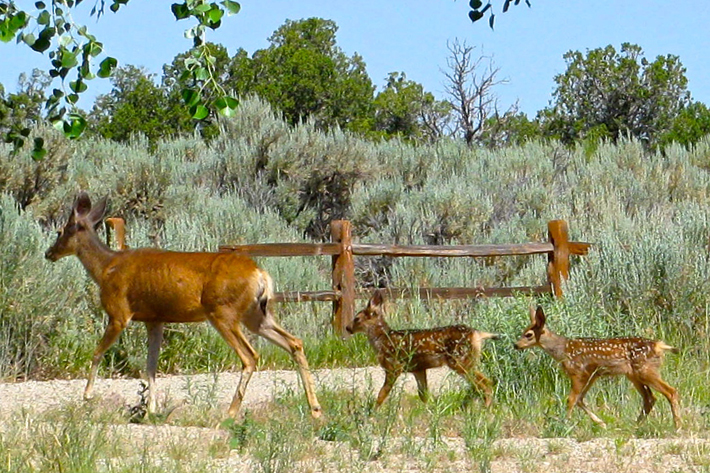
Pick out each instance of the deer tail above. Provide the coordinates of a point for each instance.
(266, 289)
(661, 347)
(486, 335)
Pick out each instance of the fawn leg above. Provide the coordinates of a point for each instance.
(484, 385)
(580, 386)
(648, 398)
(155, 338)
(390, 378)
(669, 392)
(475, 378)
(422, 385)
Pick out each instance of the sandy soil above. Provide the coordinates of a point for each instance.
(678, 454)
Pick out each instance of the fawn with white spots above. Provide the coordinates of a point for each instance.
(415, 351)
(584, 360)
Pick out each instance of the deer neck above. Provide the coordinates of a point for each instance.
(95, 256)
(554, 345)
(378, 334)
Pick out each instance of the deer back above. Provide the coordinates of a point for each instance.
(421, 349)
(156, 285)
(181, 286)
(613, 356)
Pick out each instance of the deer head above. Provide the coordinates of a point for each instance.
(83, 221)
(369, 316)
(535, 330)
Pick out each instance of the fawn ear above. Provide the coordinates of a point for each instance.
(376, 299)
(539, 317)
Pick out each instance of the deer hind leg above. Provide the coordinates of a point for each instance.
(274, 333)
(422, 385)
(654, 381)
(155, 338)
(580, 386)
(475, 378)
(648, 398)
(113, 330)
(246, 353)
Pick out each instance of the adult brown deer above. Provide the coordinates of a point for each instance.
(584, 360)
(158, 287)
(415, 351)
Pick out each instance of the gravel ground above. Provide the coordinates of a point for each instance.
(512, 455)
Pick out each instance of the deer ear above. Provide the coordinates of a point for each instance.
(376, 298)
(532, 313)
(96, 215)
(540, 317)
(82, 204)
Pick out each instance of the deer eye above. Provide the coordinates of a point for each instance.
(529, 335)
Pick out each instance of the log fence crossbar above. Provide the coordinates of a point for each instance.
(342, 250)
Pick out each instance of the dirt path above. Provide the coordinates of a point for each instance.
(509, 455)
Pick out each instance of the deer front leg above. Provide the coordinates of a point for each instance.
(155, 338)
(580, 386)
(422, 385)
(113, 330)
(390, 378)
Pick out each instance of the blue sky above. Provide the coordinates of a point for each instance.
(411, 36)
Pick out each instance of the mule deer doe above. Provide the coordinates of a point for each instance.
(415, 351)
(158, 287)
(584, 360)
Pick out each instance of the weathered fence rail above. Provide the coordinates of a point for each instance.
(342, 251)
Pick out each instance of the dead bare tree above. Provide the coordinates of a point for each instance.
(469, 83)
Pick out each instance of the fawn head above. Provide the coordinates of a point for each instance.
(83, 220)
(368, 316)
(535, 330)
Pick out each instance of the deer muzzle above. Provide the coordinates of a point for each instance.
(50, 255)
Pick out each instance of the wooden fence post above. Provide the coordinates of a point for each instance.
(558, 260)
(343, 276)
(119, 226)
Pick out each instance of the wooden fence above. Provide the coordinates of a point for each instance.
(342, 250)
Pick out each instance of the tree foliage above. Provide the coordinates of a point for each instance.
(689, 126)
(403, 108)
(305, 74)
(22, 110)
(134, 105)
(609, 94)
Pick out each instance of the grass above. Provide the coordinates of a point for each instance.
(281, 436)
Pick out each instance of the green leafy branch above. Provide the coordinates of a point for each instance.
(200, 65)
(72, 51)
(478, 10)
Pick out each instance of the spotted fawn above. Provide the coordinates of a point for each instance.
(584, 360)
(415, 351)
